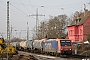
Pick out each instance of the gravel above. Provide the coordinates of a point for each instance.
(23, 57)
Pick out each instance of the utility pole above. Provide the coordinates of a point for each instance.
(43, 30)
(27, 32)
(8, 28)
(37, 21)
(11, 31)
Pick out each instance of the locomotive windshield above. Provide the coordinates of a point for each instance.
(65, 42)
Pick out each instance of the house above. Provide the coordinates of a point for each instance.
(80, 27)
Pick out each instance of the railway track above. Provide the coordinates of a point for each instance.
(38, 56)
(48, 57)
(32, 56)
(68, 56)
(76, 56)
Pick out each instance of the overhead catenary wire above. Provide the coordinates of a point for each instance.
(10, 8)
(29, 5)
(19, 10)
(32, 5)
(2, 8)
(69, 6)
(25, 6)
(22, 12)
(58, 6)
(19, 15)
(2, 3)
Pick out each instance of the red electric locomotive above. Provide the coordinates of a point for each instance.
(58, 46)
(65, 46)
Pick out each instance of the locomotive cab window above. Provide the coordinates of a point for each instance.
(65, 43)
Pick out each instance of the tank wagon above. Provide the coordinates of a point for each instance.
(51, 46)
(23, 45)
(18, 45)
(29, 45)
(14, 44)
(38, 45)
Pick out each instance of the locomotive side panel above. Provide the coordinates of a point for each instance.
(50, 46)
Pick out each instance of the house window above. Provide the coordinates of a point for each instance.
(71, 32)
(80, 31)
(79, 19)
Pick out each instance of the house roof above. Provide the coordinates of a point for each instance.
(81, 18)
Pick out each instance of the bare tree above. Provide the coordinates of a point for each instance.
(56, 27)
(42, 31)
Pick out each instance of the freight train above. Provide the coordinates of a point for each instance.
(49, 46)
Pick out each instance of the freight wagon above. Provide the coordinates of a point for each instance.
(38, 45)
(29, 45)
(23, 45)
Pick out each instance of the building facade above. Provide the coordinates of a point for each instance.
(80, 27)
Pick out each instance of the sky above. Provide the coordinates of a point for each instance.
(21, 12)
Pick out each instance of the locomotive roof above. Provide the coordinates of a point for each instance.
(51, 39)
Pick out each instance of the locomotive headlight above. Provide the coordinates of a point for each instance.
(70, 49)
